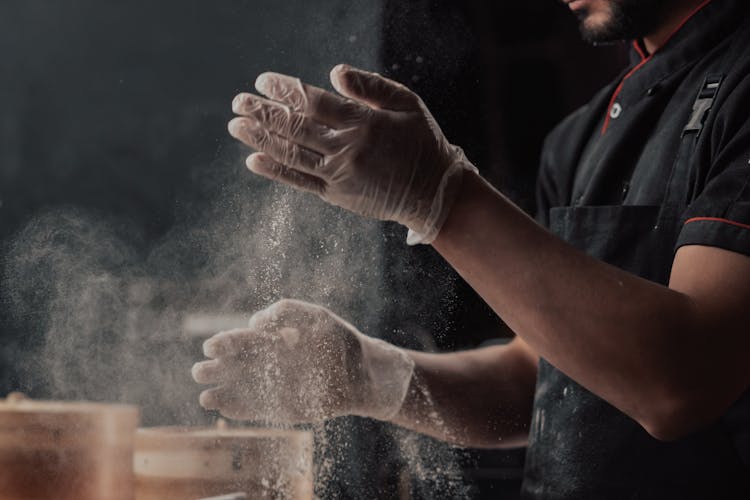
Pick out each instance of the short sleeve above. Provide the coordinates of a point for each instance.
(719, 215)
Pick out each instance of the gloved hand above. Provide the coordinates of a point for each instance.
(377, 151)
(300, 363)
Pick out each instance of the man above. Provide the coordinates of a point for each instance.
(629, 372)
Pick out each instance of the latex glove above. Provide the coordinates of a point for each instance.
(300, 363)
(377, 151)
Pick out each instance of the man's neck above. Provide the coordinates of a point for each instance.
(678, 16)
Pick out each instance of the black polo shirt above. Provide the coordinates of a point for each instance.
(658, 159)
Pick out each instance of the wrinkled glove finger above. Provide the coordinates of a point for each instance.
(219, 398)
(279, 314)
(262, 317)
(325, 107)
(264, 165)
(210, 372)
(293, 125)
(373, 89)
(285, 312)
(280, 149)
(236, 347)
(232, 402)
(226, 344)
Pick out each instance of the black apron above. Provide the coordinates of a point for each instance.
(581, 447)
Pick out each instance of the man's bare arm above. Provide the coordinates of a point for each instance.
(477, 398)
(673, 359)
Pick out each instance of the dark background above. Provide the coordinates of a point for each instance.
(119, 109)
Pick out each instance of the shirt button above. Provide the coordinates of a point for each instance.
(615, 111)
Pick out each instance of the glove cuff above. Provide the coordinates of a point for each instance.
(442, 203)
(388, 371)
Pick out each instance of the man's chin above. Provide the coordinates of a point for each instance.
(598, 36)
(596, 28)
(601, 32)
(621, 20)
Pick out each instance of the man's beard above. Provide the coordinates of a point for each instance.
(630, 19)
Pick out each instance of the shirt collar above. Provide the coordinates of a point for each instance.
(700, 31)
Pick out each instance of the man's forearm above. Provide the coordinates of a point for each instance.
(478, 398)
(611, 331)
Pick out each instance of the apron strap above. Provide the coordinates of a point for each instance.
(677, 188)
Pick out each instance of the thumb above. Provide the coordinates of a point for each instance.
(373, 89)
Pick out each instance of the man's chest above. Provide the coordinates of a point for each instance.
(645, 150)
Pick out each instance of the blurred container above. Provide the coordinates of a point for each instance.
(65, 450)
(184, 463)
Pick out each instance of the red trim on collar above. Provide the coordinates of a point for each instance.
(644, 60)
(637, 47)
(717, 219)
(618, 90)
